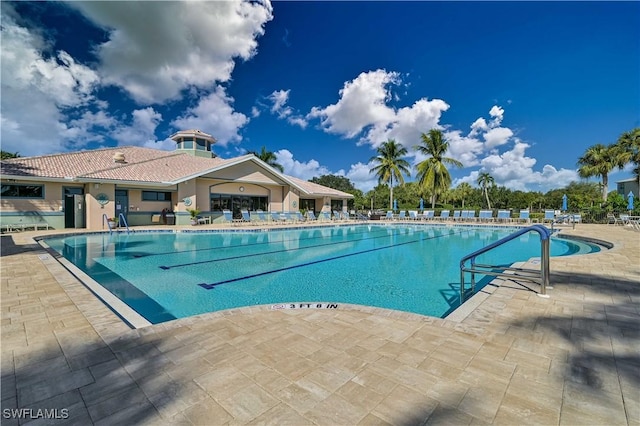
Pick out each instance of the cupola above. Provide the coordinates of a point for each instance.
(195, 142)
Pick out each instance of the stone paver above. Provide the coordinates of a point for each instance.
(516, 358)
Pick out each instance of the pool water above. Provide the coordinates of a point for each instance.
(413, 268)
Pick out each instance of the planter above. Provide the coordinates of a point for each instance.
(194, 222)
(111, 223)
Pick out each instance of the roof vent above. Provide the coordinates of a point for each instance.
(118, 157)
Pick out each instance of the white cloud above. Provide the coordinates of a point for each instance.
(498, 114)
(362, 110)
(497, 136)
(214, 115)
(465, 149)
(359, 174)
(35, 86)
(514, 170)
(480, 125)
(362, 103)
(142, 129)
(279, 107)
(299, 169)
(157, 49)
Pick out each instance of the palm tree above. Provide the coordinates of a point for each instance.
(5, 155)
(630, 143)
(432, 172)
(269, 158)
(599, 160)
(464, 191)
(390, 165)
(485, 180)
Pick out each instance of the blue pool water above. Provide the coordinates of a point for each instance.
(414, 268)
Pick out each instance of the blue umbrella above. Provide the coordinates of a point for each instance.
(630, 201)
(564, 202)
(421, 204)
(395, 204)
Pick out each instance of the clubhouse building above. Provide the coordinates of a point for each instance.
(82, 189)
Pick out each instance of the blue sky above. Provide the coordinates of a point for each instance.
(520, 89)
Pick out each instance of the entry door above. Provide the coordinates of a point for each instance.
(122, 203)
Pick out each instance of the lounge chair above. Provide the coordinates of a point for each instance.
(444, 215)
(456, 215)
(299, 217)
(228, 217)
(311, 215)
(429, 215)
(504, 216)
(576, 218)
(262, 217)
(389, 215)
(471, 215)
(464, 214)
(278, 218)
(485, 216)
(413, 215)
(524, 216)
(402, 215)
(549, 216)
(326, 216)
(246, 218)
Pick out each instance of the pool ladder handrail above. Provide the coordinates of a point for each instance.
(121, 219)
(540, 277)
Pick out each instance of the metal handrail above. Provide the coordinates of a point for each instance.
(541, 277)
(106, 219)
(121, 219)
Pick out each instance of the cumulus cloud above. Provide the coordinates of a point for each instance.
(35, 86)
(362, 103)
(299, 169)
(514, 170)
(497, 136)
(142, 129)
(157, 49)
(214, 115)
(362, 111)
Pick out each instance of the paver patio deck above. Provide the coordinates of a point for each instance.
(571, 359)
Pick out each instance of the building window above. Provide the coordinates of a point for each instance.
(201, 144)
(235, 203)
(307, 204)
(156, 196)
(187, 143)
(22, 191)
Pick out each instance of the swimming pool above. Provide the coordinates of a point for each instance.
(413, 268)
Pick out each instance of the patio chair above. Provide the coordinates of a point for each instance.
(430, 214)
(326, 216)
(228, 217)
(549, 216)
(262, 217)
(456, 215)
(504, 216)
(389, 215)
(612, 219)
(311, 215)
(524, 216)
(402, 215)
(278, 218)
(485, 216)
(471, 215)
(413, 215)
(299, 217)
(444, 215)
(246, 218)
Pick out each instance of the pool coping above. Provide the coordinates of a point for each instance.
(134, 320)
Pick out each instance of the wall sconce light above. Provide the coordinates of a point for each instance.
(241, 189)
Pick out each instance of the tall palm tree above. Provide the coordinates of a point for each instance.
(485, 180)
(390, 165)
(269, 158)
(599, 160)
(432, 172)
(630, 142)
(464, 191)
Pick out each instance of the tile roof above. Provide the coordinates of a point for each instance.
(315, 189)
(144, 165)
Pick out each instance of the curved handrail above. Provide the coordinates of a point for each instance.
(544, 232)
(545, 235)
(106, 219)
(121, 219)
